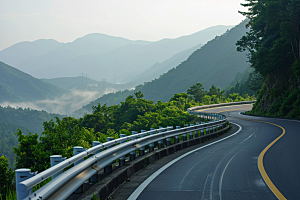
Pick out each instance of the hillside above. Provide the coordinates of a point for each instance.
(273, 43)
(17, 86)
(216, 63)
(95, 54)
(160, 68)
(241, 82)
(9, 139)
(26, 120)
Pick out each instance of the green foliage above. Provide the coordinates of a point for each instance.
(9, 140)
(246, 83)
(6, 177)
(139, 94)
(31, 119)
(12, 119)
(134, 114)
(58, 138)
(196, 91)
(273, 45)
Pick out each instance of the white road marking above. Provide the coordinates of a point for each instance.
(140, 189)
(248, 137)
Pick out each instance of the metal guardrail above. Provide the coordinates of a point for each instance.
(218, 105)
(67, 182)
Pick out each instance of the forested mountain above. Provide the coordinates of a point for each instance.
(273, 43)
(102, 56)
(17, 86)
(9, 139)
(160, 68)
(216, 63)
(26, 120)
(241, 83)
(22, 51)
(31, 119)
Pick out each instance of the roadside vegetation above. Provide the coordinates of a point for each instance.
(274, 54)
(134, 114)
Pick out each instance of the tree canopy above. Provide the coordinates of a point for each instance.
(273, 43)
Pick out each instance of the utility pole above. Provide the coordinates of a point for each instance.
(86, 79)
(82, 78)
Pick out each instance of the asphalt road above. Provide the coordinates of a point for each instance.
(229, 169)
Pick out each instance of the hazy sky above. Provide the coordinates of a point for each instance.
(66, 20)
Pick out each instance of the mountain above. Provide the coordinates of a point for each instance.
(105, 57)
(160, 68)
(217, 62)
(9, 139)
(17, 86)
(26, 120)
(240, 83)
(18, 53)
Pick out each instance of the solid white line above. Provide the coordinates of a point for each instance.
(140, 189)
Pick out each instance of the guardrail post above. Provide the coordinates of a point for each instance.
(191, 133)
(142, 149)
(160, 142)
(177, 136)
(108, 168)
(151, 146)
(184, 136)
(132, 154)
(54, 160)
(22, 175)
(168, 139)
(122, 159)
(196, 132)
(214, 129)
(78, 150)
(94, 178)
(201, 132)
(207, 130)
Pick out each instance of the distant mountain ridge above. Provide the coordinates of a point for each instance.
(17, 86)
(217, 62)
(20, 52)
(102, 56)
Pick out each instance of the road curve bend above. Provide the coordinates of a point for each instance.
(232, 168)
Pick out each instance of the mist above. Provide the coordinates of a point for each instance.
(64, 105)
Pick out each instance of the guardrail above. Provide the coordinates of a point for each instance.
(101, 156)
(218, 105)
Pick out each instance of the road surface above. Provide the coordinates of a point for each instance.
(231, 168)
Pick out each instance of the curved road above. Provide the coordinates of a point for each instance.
(229, 169)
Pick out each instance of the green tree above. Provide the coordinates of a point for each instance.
(139, 94)
(6, 176)
(196, 91)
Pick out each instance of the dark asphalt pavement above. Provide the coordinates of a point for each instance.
(229, 169)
